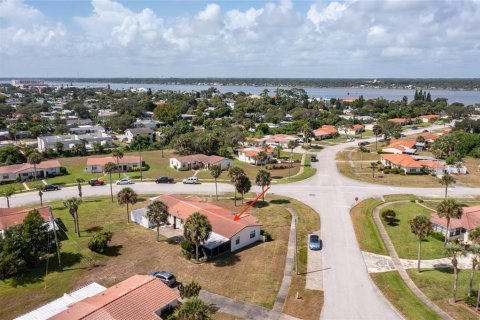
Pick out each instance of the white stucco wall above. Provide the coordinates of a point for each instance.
(245, 239)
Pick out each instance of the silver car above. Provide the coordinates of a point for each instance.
(124, 181)
(164, 276)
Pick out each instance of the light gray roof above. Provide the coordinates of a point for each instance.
(140, 130)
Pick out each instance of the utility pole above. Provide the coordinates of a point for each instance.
(141, 162)
(53, 224)
(296, 248)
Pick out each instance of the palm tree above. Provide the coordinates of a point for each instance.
(39, 188)
(157, 214)
(421, 227)
(109, 168)
(118, 154)
(195, 308)
(307, 134)
(474, 235)
(72, 204)
(449, 209)
(377, 130)
(215, 171)
(235, 173)
(261, 157)
(373, 166)
(197, 229)
(446, 180)
(475, 251)
(34, 158)
(292, 144)
(263, 179)
(453, 250)
(127, 196)
(243, 185)
(278, 151)
(7, 192)
(79, 186)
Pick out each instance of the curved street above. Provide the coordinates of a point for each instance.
(349, 292)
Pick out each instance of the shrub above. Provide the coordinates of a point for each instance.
(189, 290)
(63, 171)
(389, 216)
(395, 170)
(472, 300)
(421, 201)
(267, 235)
(438, 236)
(99, 241)
(386, 170)
(188, 249)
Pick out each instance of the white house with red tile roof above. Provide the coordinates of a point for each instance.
(26, 171)
(277, 139)
(409, 164)
(399, 146)
(199, 161)
(458, 228)
(429, 118)
(250, 154)
(126, 163)
(10, 217)
(227, 235)
(325, 132)
(138, 297)
(353, 130)
(402, 121)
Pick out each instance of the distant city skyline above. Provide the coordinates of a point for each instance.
(304, 39)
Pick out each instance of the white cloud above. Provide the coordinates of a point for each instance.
(211, 12)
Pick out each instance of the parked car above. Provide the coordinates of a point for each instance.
(96, 182)
(350, 140)
(363, 143)
(191, 180)
(314, 242)
(414, 128)
(313, 158)
(425, 131)
(164, 180)
(51, 187)
(124, 181)
(164, 276)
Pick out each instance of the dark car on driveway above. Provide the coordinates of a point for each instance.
(164, 180)
(164, 276)
(51, 187)
(96, 182)
(313, 158)
(363, 143)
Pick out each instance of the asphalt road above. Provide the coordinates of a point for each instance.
(349, 292)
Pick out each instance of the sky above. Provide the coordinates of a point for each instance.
(287, 39)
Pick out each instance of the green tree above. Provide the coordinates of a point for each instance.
(7, 192)
(243, 185)
(235, 173)
(421, 227)
(215, 171)
(261, 157)
(157, 214)
(127, 196)
(454, 250)
(118, 154)
(263, 179)
(11, 155)
(446, 180)
(307, 134)
(373, 166)
(475, 251)
(59, 147)
(189, 290)
(474, 235)
(444, 146)
(73, 204)
(167, 112)
(35, 158)
(278, 151)
(292, 144)
(197, 229)
(79, 186)
(389, 216)
(195, 309)
(449, 209)
(109, 168)
(39, 188)
(99, 241)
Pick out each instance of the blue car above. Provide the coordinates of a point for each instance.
(314, 242)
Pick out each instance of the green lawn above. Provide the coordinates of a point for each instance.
(368, 237)
(406, 244)
(438, 285)
(405, 301)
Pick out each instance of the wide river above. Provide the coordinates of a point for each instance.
(465, 97)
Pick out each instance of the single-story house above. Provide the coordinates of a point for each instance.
(429, 137)
(409, 164)
(199, 161)
(10, 217)
(25, 171)
(138, 297)
(353, 130)
(227, 235)
(142, 132)
(84, 129)
(278, 140)
(68, 141)
(458, 228)
(250, 154)
(402, 121)
(429, 118)
(399, 146)
(325, 132)
(127, 163)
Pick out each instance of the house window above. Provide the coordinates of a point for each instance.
(252, 234)
(5, 176)
(94, 168)
(237, 240)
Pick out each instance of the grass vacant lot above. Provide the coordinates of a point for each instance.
(368, 237)
(406, 244)
(438, 285)
(396, 291)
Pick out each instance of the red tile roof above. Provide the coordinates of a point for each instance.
(254, 151)
(431, 116)
(401, 144)
(137, 298)
(279, 138)
(325, 130)
(469, 220)
(407, 161)
(10, 217)
(15, 168)
(220, 218)
(104, 160)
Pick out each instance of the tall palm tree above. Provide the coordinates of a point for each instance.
(235, 173)
(72, 204)
(475, 251)
(127, 196)
(40, 189)
(195, 308)
(157, 214)
(454, 250)
(278, 151)
(197, 229)
(261, 157)
(292, 144)
(474, 235)
(449, 209)
(373, 166)
(34, 158)
(263, 179)
(377, 130)
(307, 134)
(447, 180)
(421, 227)
(79, 186)
(7, 192)
(118, 154)
(215, 171)
(109, 168)
(243, 185)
